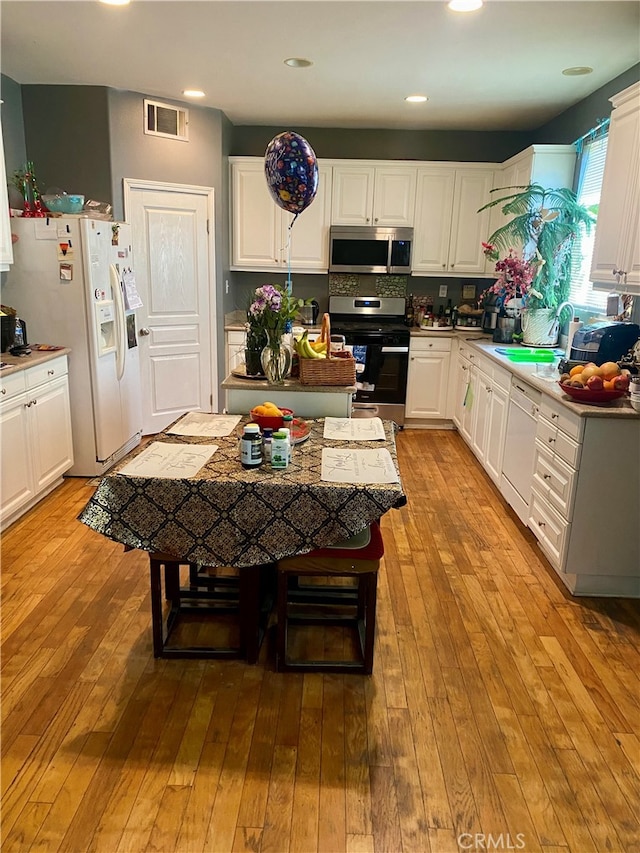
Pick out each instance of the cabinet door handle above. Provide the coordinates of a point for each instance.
(554, 416)
(541, 524)
(3, 392)
(546, 476)
(144, 332)
(551, 440)
(50, 372)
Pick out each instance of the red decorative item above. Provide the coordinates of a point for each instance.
(587, 395)
(27, 210)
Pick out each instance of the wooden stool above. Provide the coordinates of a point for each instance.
(331, 604)
(247, 594)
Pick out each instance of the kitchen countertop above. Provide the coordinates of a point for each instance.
(236, 321)
(23, 362)
(620, 408)
(462, 333)
(293, 385)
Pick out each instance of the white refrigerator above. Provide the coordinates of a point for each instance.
(72, 282)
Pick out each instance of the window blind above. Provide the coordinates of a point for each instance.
(590, 172)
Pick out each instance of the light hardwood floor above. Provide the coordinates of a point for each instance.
(499, 704)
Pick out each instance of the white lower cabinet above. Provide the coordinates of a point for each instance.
(428, 377)
(235, 346)
(35, 435)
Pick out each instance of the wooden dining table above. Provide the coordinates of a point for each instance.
(227, 515)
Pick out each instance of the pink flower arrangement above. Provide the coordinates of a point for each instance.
(514, 275)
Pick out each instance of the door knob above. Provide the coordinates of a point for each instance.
(144, 332)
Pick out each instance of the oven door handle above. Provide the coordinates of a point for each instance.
(395, 349)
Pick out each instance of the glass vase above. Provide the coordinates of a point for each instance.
(275, 358)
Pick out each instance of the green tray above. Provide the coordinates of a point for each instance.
(537, 356)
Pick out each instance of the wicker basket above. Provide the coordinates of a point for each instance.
(328, 371)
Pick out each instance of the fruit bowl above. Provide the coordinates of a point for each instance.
(272, 421)
(587, 395)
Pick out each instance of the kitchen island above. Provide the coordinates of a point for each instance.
(307, 401)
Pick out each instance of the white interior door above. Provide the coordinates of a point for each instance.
(174, 267)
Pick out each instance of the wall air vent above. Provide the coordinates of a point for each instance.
(166, 120)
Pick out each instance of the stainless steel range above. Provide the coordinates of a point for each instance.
(374, 327)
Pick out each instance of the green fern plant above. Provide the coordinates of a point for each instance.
(549, 225)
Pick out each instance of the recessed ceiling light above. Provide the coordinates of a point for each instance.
(416, 99)
(296, 62)
(577, 71)
(193, 93)
(464, 5)
(115, 2)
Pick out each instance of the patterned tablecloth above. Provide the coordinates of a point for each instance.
(230, 516)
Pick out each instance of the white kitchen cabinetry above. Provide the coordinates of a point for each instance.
(260, 229)
(428, 377)
(616, 254)
(6, 247)
(448, 230)
(373, 195)
(35, 435)
(551, 166)
(586, 500)
(481, 405)
(235, 347)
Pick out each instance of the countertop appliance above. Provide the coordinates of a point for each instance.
(490, 313)
(519, 447)
(367, 249)
(373, 327)
(309, 313)
(8, 332)
(601, 342)
(68, 277)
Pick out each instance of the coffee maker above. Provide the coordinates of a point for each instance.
(491, 312)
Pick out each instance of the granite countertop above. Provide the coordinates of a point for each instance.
(23, 362)
(236, 321)
(620, 408)
(241, 384)
(461, 332)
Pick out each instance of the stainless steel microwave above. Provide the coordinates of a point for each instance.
(367, 249)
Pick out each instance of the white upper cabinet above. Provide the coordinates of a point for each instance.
(373, 195)
(6, 247)
(616, 254)
(449, 231)
(551, 166)
(260, 229)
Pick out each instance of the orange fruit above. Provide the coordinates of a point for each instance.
(590, 370)
(575, 371)
(608, 385)
(610, 369)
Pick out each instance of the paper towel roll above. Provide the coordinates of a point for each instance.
(574, 325)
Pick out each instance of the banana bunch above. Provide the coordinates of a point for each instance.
(309, 349)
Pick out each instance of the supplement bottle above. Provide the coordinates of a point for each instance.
(279, 450)
(251, 447)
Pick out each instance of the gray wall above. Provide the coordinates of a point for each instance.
(480, 147)
(66, 132)
(15, 149)
(577, 120)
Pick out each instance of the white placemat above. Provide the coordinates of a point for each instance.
(205, 425)
(169, 460)
(354, 429)
(357, 466)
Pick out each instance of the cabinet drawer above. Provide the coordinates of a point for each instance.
(46, 372)
(554, 479)
(561, 417)
(549, 528)
(12, 385)
(557, 442)
(236, 339)
(430, 345)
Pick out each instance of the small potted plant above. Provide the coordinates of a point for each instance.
(548, 224)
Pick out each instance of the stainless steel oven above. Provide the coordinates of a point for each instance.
(373, 327)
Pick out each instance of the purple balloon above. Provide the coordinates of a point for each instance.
(291, 170)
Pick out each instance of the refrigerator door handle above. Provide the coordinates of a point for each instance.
(121, 333)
